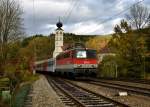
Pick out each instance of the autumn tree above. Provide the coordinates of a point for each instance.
(129, 42)
(10, 26)
(98, 42)
(39, 47)
(129, 49)
(139, 18)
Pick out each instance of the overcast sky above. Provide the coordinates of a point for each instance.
(78, 16)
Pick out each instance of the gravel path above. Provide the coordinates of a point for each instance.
(131, 100)
(43, 95)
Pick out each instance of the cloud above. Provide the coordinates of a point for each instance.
(85, 28)
(86, 16)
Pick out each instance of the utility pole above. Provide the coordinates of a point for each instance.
(34, 59)
(144, 68)
(116, 67)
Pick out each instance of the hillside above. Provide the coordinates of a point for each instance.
(98, 42)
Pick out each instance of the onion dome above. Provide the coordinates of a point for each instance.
(59, 24)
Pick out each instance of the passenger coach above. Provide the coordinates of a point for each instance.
(47, 65)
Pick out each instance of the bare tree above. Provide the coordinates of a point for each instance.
(139, 16)
(10, 25)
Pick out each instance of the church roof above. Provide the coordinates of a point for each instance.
(59, 29)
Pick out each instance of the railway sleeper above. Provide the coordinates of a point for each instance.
(100, 102)
(108, 105)
(93, 102)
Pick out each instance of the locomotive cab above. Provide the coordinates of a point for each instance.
(77, 62)
(85, 62)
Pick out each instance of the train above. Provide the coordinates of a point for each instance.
(77, 61)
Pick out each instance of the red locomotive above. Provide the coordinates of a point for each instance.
(77, 61)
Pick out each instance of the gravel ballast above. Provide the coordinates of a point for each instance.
(43, 95)
(131, 100)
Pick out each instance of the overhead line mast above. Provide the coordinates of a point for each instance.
(34, 59)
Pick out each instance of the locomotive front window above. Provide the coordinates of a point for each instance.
(91, 54)
(81, 54)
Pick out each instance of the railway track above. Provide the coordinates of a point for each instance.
(130, 89)
(125, 83)
(136, 81)
(76, 96)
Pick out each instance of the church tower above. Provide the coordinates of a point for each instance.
(58, 39)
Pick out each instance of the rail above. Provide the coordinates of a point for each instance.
(83, 97)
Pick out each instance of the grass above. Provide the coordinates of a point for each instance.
(21, 95)
(23, 91)
(4, 82)
(30, 78)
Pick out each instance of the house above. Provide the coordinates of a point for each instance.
(105, 51)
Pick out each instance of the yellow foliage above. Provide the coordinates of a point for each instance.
(98, 42)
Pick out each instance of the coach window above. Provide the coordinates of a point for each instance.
(50, 63)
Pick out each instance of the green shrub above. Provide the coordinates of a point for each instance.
(6, 96)
(29, 77)
(107, 68)
(21, 95)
